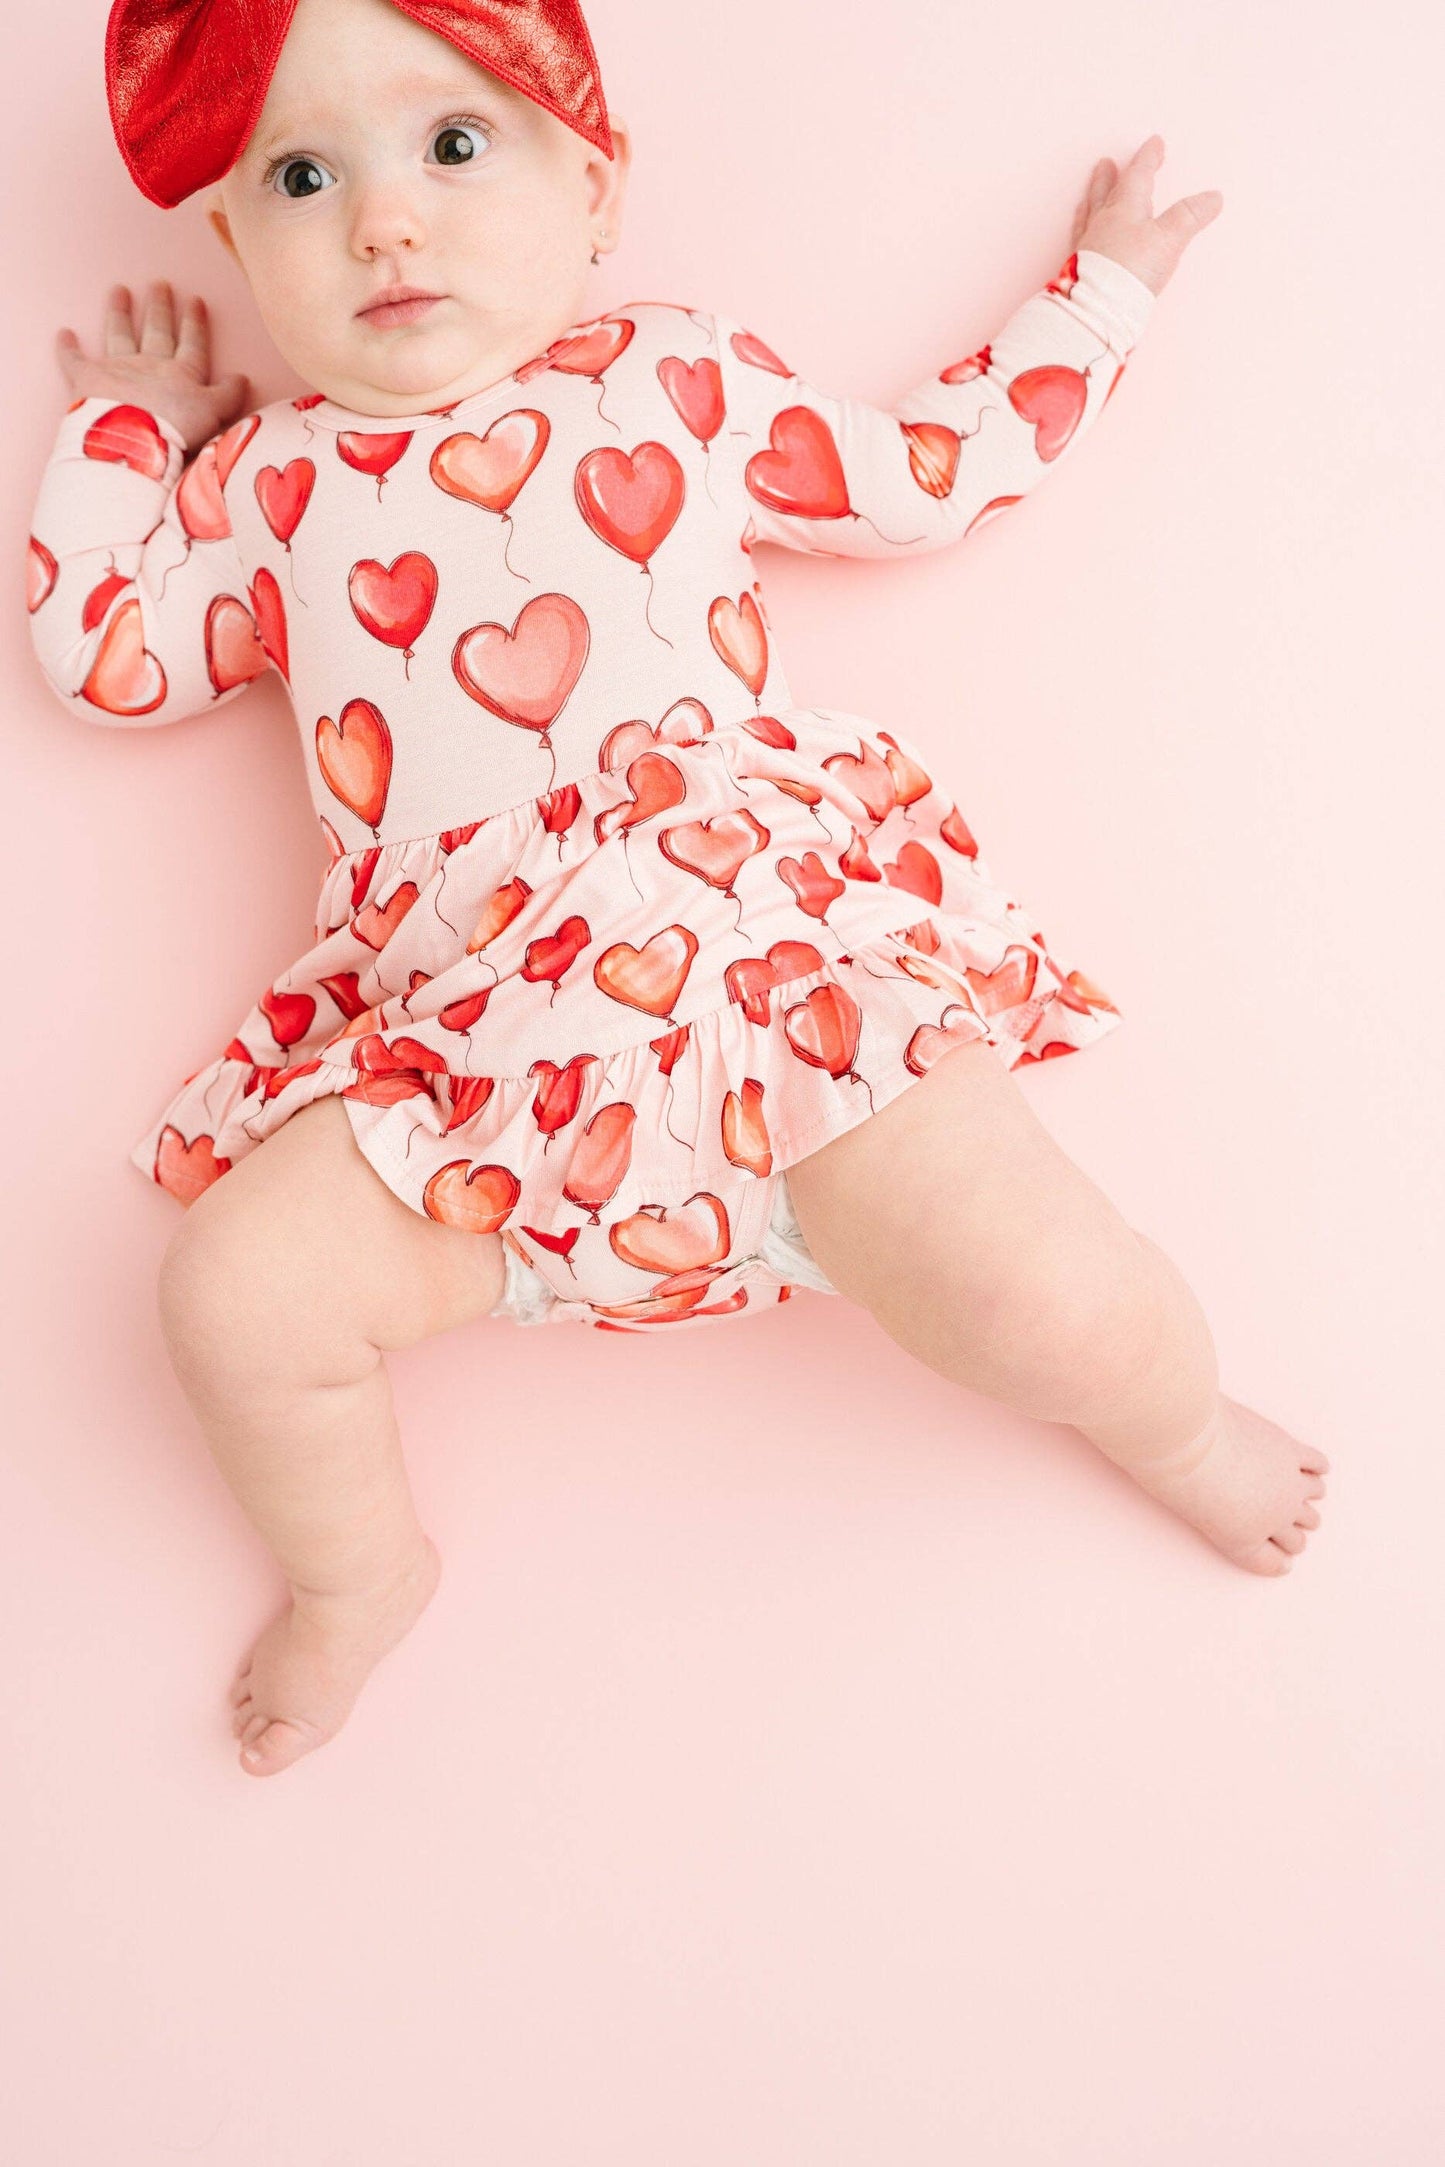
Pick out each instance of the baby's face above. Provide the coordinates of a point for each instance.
(382, 157)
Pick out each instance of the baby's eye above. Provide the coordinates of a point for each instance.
(458, 151)
(282, 170)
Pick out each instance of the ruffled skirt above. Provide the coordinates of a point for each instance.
(601, 1023)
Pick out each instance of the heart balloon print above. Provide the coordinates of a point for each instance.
(394, 601)
(631, 500)
(489, 470)
(526, 672)
(354, 756)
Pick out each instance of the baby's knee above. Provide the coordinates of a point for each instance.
(234, 1302)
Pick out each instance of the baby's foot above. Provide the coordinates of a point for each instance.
(1245, 1484)
(300, 1681)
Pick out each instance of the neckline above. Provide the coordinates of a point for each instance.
(329, 414)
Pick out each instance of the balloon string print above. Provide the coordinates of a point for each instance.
(283, 494)
(451, 839)
(669, 1050)
(303, 406)
(489, 470)
(631, 501)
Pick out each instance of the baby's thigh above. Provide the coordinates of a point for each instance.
(975, 1241)
(301, 1253)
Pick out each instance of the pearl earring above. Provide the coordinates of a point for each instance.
(602, 236)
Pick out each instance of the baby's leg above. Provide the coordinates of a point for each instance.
(282, 1286)
(980, 1247)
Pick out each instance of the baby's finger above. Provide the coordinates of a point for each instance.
(68, 352)
(192, 342)
(1189, 216)
(1099, 184)
(119, 331)
(1135, 185)
(158, 334)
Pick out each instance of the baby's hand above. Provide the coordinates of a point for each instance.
(1115, 217)
(166, 374)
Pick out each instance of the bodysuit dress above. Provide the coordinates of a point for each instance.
(611, 932)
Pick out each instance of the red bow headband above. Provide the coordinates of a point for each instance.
(186, 79)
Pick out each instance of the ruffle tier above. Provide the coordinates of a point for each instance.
(600, 1021)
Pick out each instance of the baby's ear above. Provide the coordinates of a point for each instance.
(216, 218)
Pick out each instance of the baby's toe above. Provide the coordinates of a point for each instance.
(274, 1747)
(242, 1716)
(1289, 1538)
(1306, 1516)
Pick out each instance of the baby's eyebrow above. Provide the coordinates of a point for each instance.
(439, 89)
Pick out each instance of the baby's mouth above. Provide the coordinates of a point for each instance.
(410, 309)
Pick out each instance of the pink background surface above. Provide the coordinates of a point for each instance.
(805, 1760)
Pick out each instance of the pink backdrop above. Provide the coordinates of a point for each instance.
(805, 1760)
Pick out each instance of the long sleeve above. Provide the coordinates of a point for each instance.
(841, 478)
(139, 608)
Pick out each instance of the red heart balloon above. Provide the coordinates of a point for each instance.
(695, 389)
(491, 468)
(1053, 398)
(801, 472)
(283, 495)
(525, 675)
(631, 500)
(394, 604)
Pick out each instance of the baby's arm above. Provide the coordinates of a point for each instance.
(847, 479)
(139, 607)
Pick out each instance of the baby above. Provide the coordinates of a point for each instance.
(640, 995)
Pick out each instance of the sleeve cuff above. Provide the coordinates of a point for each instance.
(89, 409)
(1125, 298)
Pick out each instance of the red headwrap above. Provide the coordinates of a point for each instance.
(186, 79)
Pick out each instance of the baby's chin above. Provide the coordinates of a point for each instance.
(413, 368)
(400, 385)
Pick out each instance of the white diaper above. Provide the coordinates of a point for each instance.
(527, 1298)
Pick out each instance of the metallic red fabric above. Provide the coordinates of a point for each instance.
(186, 79)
